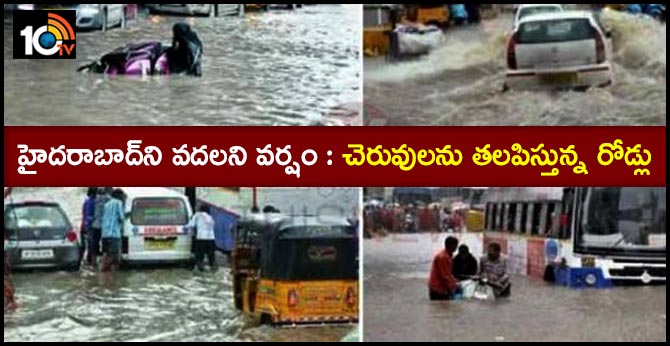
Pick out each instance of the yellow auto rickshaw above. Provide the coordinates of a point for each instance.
(428, 14)
(377, 26)
(296, 270)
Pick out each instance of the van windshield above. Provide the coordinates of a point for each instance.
(159, 212)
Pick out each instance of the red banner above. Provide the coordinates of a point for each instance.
(335, 156)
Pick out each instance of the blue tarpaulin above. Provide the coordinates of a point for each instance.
(224, 226)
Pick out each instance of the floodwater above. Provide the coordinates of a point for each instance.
(461, 83)
(397, 307)
(274, 68)
(140, 304)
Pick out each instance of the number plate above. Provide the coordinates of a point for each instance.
(37, 254)
(560, 78)
(159, 244)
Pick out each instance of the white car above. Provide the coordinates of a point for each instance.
(526, 10)
(558, 50)
(184, 9)
(100, 16)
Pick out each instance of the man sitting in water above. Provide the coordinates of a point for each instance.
(442, 284)
(494, 269)
(465, 265)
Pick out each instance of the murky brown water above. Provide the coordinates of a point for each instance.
(461, 83)
(145, 304)
(276, 68)
(397, 306)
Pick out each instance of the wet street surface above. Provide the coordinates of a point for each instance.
(275, 68)
(140, 304)
(397, 306)
(461, 83)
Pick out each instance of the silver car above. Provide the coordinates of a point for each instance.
(185, 9)
(100, 16)
(40, 235)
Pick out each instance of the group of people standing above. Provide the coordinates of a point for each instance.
(103, 215)
(411, 219)
(449, 270)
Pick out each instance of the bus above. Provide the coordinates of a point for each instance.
(580, 237)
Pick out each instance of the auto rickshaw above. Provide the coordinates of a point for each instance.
(378, 22)
(428, 14)
(255, 7)
(296, 270)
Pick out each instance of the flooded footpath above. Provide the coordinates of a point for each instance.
(461, 83)
(397, 307)
(273, 68)
(140, 304)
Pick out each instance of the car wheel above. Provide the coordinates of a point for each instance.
(73, 267)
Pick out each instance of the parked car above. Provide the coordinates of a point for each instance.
(40, 235)
(183, 9)
(558, 50)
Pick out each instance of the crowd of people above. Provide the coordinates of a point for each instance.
(395, 218)
(450, 271)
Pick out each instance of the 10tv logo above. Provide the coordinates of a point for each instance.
(44, 35)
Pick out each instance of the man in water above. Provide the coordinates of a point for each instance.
(204, 238)
(113, 217)
(494, 269)
(442, 284)
(101, 198)
(465, 265)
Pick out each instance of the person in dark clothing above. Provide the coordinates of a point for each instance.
(88, 214)
(465, 265)
(473, 10)
(185, 55)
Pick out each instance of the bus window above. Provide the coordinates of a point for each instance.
(535, 221)
(511, 217)
(524, 218)
(494, 217)
(501, 219)
(549, 226)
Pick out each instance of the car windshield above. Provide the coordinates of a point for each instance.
(527, 11)
(159, 212)
(624, 218)
(37, 216)
(550, 31)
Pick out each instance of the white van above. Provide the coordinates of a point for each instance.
(157, 226)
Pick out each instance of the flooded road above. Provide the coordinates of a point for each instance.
(461, 83)
(397, 306)
(275, 68)
(142, 304)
